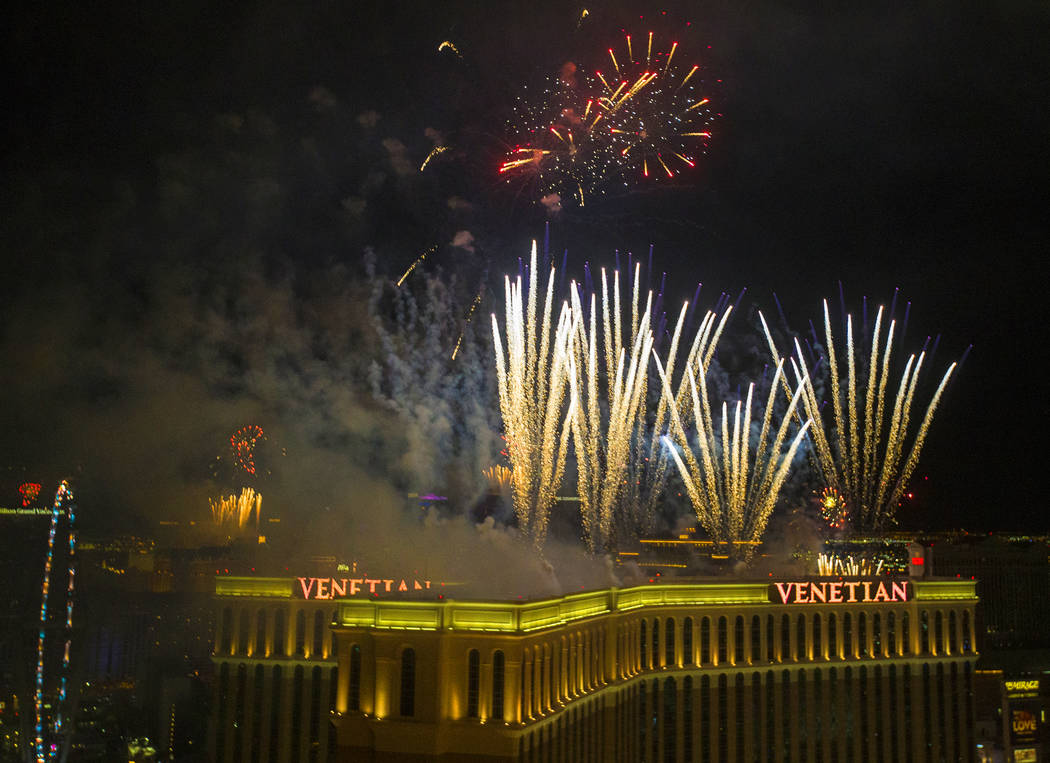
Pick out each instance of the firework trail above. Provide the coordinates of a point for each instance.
(421, 257)
(470, 315)
(532, 377)
(500, 479)
(236, 510)
(608, 403)
(835, 564)
(433, 152)
(733, 488)
(868, 465)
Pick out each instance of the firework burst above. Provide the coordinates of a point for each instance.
(242, 443)
(862, 451)
(236, 510)
(532, 377)
(833, 508)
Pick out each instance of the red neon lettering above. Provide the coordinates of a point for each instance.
(355, 585)
(306, 588)
(388, 583)
(818, 591)
(785, 591)
(372, 584)
(801, 596)
(836, 593)
(899, 590)
(881, 594)
(852, 590)
(322, 589)
(402, 586)
(338, 590)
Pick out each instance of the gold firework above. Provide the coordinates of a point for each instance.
(868, 465)
(733, 488)
(499, 478)
(236, 509)
(532, 377)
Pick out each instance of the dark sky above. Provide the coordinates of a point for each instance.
(167, 165)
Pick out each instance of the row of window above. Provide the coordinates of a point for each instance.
(277, 647)
(234, 734)
(833, 714)
(803, 637)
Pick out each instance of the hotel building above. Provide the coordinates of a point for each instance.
(809, 670)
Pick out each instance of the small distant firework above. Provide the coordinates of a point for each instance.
(836, 564)
(532, 377)
(833, 508)
(242, 443)
(868, 466)
(448, 45)
(499, 478)
(29, 492)
(236, 510)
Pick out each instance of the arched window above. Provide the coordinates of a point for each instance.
(473, 679)
(300, 633)
(260, 633)
(723, 641)
(276, 712)
(847, 636)
(355, 677)
(738, 641)
(280, 638)
(967, 646)
(770, 642)
(953, 633)
(669, 655)
(925, 632)
(319, 630)
(862, 634)
(656, 643)
(244, 631)
(938, 643)
(687, 641)
(785, 638)
(800, 638)
(670, 718)
(833, 644)
(226, 631)
(641, 646)
(817, 646)
(297, 713)
(756, 639)
(891, 634)
(876, 635)
(497, 685)
(408, 682)
(905, 634)
(705, 641)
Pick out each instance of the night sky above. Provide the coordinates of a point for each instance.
(189, 190)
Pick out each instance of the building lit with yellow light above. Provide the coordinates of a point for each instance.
(274, 674)
(801, 670)
(680, 672)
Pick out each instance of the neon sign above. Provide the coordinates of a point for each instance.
(344, 588)
(841, 592)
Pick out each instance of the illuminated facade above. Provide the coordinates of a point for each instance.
(713, 671)
(274, 674)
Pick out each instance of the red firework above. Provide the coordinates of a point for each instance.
(242, 443)
(29, 491)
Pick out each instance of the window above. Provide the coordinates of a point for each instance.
(756, 639)
(243, 631)
(705, 641)
(669, 656)
(687, 719)
(275, 712)
(315, 713)
(817, 646)
(800, 637)
(723, 641)
(319, 631)
(473, 677)
(300, 633)
(738, 641)
(770, 641)
(785, 638)
(260, 633)
(833, 646)
(953, 633)
(257, 708)
(876, 635)
(497, 685)
(355, 677)
(408, 682)
(862, 634)
(687, 641)
(279, 637)
(297, 713)
(656, 643)
(670, 717)
(641, 646)
(967, 647)
(226, 629)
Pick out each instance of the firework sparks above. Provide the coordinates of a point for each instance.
(532, 377)
(500, 479)
(833, 508)
(733, 488)
(29, 492)
(835, 564)
(433, 152)
(470, 316)
(419, 259)
(868, 465)
(243, 442)
(236, 510)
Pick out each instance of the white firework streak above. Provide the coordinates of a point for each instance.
(868, 470)
(607, 427)
(733, 488)
(533, 377)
